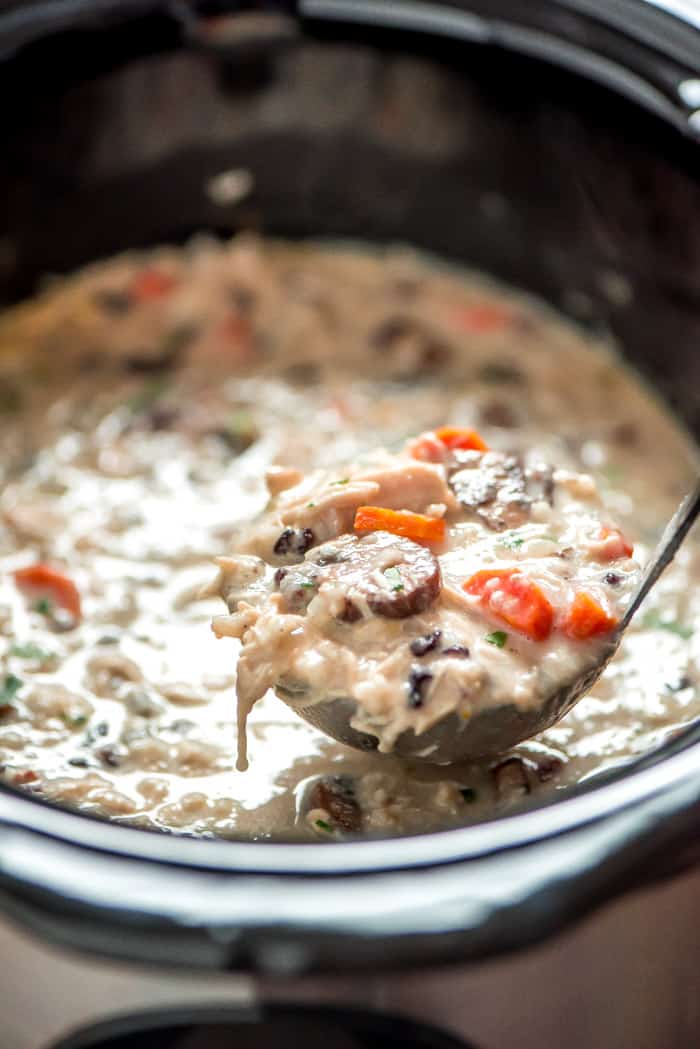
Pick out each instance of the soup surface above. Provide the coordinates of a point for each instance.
(142, 403)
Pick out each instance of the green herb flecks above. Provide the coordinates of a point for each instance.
(240, 431)
(74, 720)
(310, 506)
(148, 395)
(310, 585)
(44, 606)
(343, 480)
(322, 825)
(512, 541)
(394, 577)
(654, 621)
(469, 795)
(497, 638)
(30, 650)
(9, 687)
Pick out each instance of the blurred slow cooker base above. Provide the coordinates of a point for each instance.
(138, 123)
(625, 978)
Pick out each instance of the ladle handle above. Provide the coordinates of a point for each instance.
(674, 534)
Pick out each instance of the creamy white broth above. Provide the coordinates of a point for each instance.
(477, 581)
(135, 437)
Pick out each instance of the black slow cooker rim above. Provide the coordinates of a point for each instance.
(292, 909)
(48, 852)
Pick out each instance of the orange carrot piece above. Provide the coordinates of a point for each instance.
(612, 545)
(28, 776)
(418, 527)
(427, 448)
(152, 284)
(45, 580)
(585, 618)
(458, 437)
(510, 596)
(433, 446)
(485, 317)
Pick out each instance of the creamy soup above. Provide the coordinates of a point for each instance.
(383, 587)
(143, 404)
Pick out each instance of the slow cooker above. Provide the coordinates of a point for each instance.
(553, 143)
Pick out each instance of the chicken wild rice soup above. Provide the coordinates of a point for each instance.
(150, 405)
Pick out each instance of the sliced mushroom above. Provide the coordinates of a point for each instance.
(510, 779)
(409, 344)
(336, 795)
(389, 575)
(497, 487)
(547, 767)
(500, 413)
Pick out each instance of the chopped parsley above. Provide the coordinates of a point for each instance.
(322, 825)
(307, 586)
(513, 541)
(469, 795)
(147, 396)
(75, 720)
(240, 430)
(497, 638)
(30, 650)
(654, 621)
(394, 577)
(310, 506)
(343, 480)
(44, 606)
(9, 687)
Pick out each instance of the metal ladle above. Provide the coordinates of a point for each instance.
(496, 729)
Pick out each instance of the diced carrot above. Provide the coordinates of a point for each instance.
(152, 284)
(418, 527)
(28, 776)
(611, 544)
(427, 448)
(585, 618)
(432, 446)
(458, 437)
(509, 595)
(484, 317)
(44, 580)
